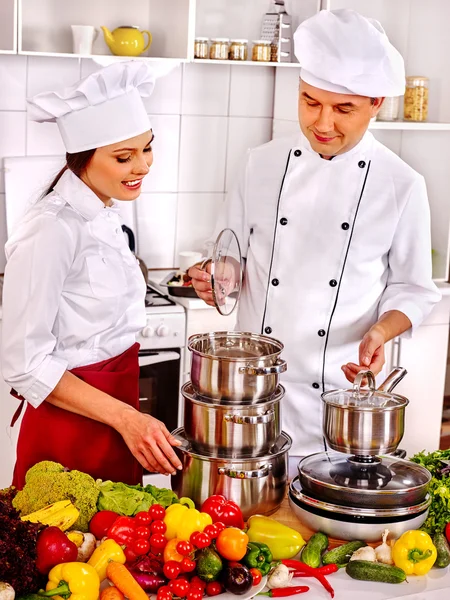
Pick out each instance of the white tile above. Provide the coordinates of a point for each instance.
(203, 144)
(12, 138)
(283, 128)
(163, 176)
(2, 233)
(13, 77)
(47, 73)
(44, 139)
(286, 94)
(244, 133)
(251, 91)
(156, 225)
(205, 89)
(196, 220)
(166, 97)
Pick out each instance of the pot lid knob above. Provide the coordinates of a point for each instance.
(359, 379)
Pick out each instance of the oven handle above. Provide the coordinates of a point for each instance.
(158, 357)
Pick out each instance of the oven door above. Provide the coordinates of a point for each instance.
(159, 385)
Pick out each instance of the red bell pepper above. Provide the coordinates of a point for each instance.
(447, 532)
(53, 548)
(123, 530)
(223, 510)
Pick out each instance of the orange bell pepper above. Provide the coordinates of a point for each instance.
(231, 543)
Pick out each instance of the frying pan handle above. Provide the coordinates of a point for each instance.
(394, 378)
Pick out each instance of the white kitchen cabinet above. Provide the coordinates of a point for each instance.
(8, 26)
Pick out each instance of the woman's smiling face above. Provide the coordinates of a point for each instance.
(116, 171)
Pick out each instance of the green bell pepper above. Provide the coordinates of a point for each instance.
(259, 557)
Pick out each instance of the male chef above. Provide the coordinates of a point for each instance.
(334, 227)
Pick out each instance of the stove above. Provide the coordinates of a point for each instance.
(166, 322)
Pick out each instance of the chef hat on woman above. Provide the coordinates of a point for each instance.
(342, 51)
(103, 108)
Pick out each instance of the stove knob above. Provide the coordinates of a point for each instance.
(148, 331)
(162, 331)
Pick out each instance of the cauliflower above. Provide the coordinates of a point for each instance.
(47, 482)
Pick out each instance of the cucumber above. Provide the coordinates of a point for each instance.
(365, 570)
(443, 551)
(342, 554)
(313, 550)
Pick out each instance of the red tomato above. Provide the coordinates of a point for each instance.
(219, 526)
(158, 540)
(212, 531)
(164, 593)
(142, 518)
(101, 522)
(180, 587)
(188, 565)
(130, 554)
(213, 588)
(142, 532)
(196, 582)
(185, 548)
(158, 526)
(140, 546)
(194, 594)
(257, 576)
(200, 540)
(172, 569)
(157, 512)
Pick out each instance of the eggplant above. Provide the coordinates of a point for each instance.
(149, 582)
(237, 579)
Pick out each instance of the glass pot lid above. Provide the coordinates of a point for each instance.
(226, 272)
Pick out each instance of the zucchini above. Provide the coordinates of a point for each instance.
(342, 554)
(443, 551)
(313, 550)
(365, 570)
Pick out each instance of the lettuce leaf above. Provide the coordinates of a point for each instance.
(130, 499)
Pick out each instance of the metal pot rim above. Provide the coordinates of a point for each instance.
(197, 337)
(188, 392)
(186, 448)
(403, 402)
(296, 490)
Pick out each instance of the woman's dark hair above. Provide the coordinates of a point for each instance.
(76, 162)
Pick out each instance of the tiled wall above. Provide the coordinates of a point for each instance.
(204, 118)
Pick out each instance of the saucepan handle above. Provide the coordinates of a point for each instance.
(250, 420)
(393, 379)
(263, 471)
(279, 367)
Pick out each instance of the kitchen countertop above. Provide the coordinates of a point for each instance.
(156, 276)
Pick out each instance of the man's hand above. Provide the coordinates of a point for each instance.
(371, 354)
(201, 281)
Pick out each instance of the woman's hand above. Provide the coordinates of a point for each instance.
(371, 354)
(150, 442)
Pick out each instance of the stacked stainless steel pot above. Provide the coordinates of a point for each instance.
(232, 443)
(359, 487)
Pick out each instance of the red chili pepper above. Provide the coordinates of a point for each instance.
(311, 571)
(123, 530)
(325, 570)
(287, 591)
(223, 510)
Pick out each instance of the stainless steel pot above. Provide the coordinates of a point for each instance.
(350, 523)
(365, 422)
(237, 367)
(257, 485)
(231, 430)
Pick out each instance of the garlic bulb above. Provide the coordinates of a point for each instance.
(383, 552)
(365, 553)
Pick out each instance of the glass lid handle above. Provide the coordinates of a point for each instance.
(365, 374)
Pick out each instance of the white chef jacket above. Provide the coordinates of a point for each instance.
(73, 293)
(330, 246)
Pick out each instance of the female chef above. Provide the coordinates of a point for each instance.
(73, 297)
(335, 228)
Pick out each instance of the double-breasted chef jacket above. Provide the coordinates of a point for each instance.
(73, 294)
(330, 245)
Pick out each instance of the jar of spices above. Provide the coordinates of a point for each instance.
(238, 50)
(416, 99)
(219, 49)
(201, 47)
(389, 109)
(262, 50)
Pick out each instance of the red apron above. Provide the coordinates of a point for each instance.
(52, 433)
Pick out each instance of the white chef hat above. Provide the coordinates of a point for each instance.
(342, 51)
(103, 108)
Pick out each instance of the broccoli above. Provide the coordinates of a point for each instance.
(47, 482)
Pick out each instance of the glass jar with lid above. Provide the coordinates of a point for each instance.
(416, 99)
(201, 49)
(238, 50)
(262, 50)
(389, 109)
(219, 49)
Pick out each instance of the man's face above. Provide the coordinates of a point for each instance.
(334, 123)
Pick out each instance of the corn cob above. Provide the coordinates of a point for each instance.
(62, 514)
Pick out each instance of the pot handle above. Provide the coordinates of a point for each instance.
(394, 378)
(367, 373)
(279, 367)
(250, 420)
(263, 471)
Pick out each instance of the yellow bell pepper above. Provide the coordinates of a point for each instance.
(107, 551)
(74, 580)
(414, 552)
(283, 541)
(181, 520)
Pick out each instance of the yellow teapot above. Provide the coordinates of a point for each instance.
(126, 40)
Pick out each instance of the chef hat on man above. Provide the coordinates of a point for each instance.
(342, 51)
(103, 108)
